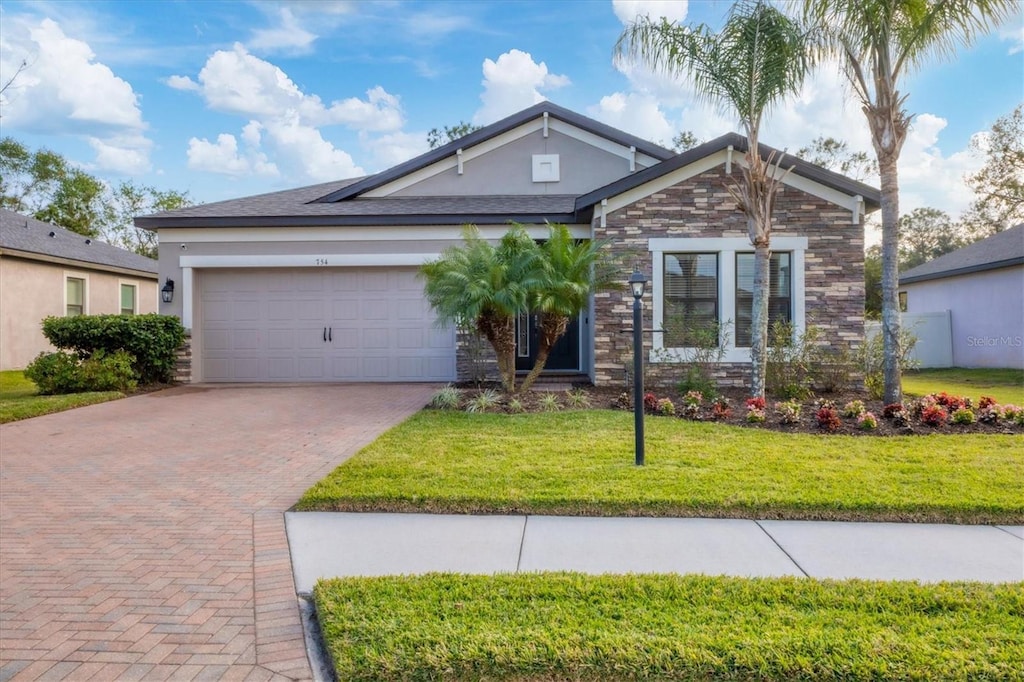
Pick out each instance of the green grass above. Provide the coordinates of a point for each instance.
(1005, 385)
(559, 626)
(19, 398)
(581, 463)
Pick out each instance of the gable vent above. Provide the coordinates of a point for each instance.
(545, 168)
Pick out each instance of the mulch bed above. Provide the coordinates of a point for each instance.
(616, 398)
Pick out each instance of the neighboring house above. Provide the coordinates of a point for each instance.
(49, 271)
(320, 283)
(977, 294)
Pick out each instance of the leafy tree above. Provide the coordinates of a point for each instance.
(999, 185)
(481, 287)
(685, 140)
(835, 155)
(128, 200)
(28, 179)
(927, 233)
(877, 42)
(77, 204)
(758, 57)
(570, 271)
(437, 138)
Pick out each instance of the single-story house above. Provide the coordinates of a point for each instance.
(49, 271)
(320, 283)
(978, 294)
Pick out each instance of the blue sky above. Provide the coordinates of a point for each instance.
(225, 99)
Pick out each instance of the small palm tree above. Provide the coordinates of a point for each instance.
(482, 287)
(877, 42)
(569, 272)
(758, 57)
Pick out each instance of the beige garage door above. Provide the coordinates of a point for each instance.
(320, 324)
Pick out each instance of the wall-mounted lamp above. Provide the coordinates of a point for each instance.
(167, 293)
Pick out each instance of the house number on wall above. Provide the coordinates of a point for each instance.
(321, 261)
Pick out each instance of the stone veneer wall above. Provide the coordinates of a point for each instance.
(702, 207)
(183, 361)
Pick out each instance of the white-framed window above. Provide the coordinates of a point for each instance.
(75, 295)
(129, 298)
(703, 290)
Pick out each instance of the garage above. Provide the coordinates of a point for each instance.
(319, 324)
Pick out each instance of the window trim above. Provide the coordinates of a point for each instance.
(70, 274)
(135, 296)
(736, 290)
(727, 248)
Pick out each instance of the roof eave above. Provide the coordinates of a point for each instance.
(956, 272)
(354, 221)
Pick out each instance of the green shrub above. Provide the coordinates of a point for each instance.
(871, 357)
(59, 373)
(791, 358)
(55, 373)
(152, 340)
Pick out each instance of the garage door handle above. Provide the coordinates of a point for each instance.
(330, 334)
(325, 334)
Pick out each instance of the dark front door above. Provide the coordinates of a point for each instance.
(565, 356)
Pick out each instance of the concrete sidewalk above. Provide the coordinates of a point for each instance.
(339, 544)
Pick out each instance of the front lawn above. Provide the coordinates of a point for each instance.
(562, 626)
(19, 398)
(581, 463)
(1005, 385)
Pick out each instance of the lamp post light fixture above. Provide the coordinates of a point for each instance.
(637, 283)
(167, 293)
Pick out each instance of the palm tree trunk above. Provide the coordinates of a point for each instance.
(759, 319)
(550, 329)
(890, 200)
(500, 332)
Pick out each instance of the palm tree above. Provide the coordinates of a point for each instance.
(758, 57)
(569, 272)
(481, 287)
(877, 42)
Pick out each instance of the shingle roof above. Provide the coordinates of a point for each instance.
(493, 130)
(28, 235)
(288, 209)
(871, 196)
(1001, 250)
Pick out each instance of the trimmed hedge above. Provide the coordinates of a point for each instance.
(62, 373)
(152, 339)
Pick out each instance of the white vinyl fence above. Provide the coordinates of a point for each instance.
(934, 334)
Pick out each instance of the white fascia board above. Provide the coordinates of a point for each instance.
(318, 260)
(841, 199)
(601, 143)
(185, 235)
(449, 162)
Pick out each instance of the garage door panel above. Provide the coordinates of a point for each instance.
(268, 325)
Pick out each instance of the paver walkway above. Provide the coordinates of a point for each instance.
(144, 538)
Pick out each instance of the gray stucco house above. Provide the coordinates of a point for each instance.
(978, 292)
(319, 283)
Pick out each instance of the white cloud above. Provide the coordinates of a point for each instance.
(629, 11)
(237, 82)
(392, 149)
(182, 83)
(65, 91)
(636, 113)
(513, 83)
(223, 157)
(1013, 32)
(288, 36)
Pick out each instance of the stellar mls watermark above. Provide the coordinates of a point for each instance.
(993, 341)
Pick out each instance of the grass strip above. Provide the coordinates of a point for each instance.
(1006, 386)
(565, 626)
(581, 464)
(19, 398)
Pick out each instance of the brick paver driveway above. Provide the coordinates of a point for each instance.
(144, 538)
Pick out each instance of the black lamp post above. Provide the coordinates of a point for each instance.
(167, 293)
(637, 283)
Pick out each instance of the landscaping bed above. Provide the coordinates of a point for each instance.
(561, 626)
(581, 463)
